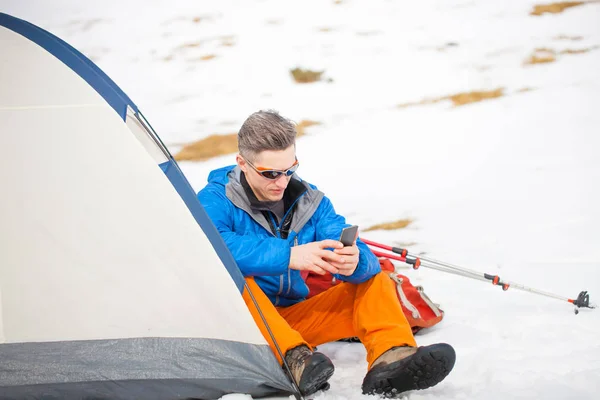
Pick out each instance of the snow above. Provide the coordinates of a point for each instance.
(508, 186)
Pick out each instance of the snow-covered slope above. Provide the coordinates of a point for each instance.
(509, 186)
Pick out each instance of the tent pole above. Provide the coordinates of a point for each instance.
(297, 395)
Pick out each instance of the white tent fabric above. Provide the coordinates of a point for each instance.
(105, 275)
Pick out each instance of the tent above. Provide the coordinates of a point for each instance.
(113, 281)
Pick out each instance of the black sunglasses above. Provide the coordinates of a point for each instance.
(273, 174)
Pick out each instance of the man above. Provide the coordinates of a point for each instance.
(279, 228)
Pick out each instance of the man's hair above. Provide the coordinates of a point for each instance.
(265, 130)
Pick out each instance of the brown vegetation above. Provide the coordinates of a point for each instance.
(525, 90)
(227, 41)
(460, 99)
(389, 226)
(209, 147)
(404, 245)
(190, 45)
(422, 102)
(541, 56)
(305, 75)
(219, 145)
(578, 51)
(554, 8)
(302, 125)
(566, 37)
(181, 48)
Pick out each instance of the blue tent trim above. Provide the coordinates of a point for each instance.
(79, 63)
(186, 192)
(119, 101)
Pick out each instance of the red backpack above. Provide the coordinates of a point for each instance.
(418, 308)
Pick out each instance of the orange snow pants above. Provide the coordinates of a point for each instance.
(370, 311)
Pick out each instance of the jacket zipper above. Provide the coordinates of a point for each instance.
(290, 272)
(273, 225)
(278, 230)
(277, 235)
(292, 207)
(280, 289)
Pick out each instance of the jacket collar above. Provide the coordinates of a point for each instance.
(292, 192)
(307, 197)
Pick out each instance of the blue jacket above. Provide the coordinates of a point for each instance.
(265, 255)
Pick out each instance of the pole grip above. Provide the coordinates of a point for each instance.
(390, 256)
(496, 281)
(397, 250)
(401, 251)
(414, 261)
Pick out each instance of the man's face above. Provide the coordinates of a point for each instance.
(268, 189)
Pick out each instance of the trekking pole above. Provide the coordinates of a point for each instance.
(582, 300)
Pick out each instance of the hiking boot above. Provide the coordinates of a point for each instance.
(311, 370)
(408, 368)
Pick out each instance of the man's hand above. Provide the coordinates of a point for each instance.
(350, 254)
(313, 257)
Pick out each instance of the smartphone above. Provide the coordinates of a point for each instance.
(348, 235)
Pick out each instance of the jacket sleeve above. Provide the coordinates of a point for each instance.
(329, 226)
(255, 256)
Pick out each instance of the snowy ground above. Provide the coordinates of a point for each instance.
(507, 186)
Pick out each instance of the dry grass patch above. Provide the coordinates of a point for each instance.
(219, 145)
(302, 125)
(566, 37)
(207, 57)
(209, 147)
(191, 45)
(578, 51)
(404, 245)
(390, 226)
(421, 103)
(541, 56)
(554, 8)
(227, 41)
(525, 90)
(306, 75)
(181, 48)
(460, 99)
